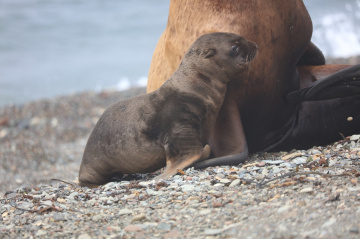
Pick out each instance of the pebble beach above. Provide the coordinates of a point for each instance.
(313, 193)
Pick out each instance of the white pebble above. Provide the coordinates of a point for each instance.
(234, 183)
(307, 190)
(355, 137)
(187, 187)
(40, 233)
(283, 209)
(84, 236)
(225, 181)
(146, 183)
(329, 223)
(125, 211)
(299, 160)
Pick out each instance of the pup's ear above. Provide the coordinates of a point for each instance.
(210, 53)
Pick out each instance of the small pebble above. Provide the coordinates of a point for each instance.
(235, 183)
(283, 209)
(58, 217)
(299, 160)
(40, 233)
(276, 170)
(146, 183)
(273, 161)
(98, 217)
(315, 151)
(219, 185)
(329, 223)
(139, 217)
(164, 226)
(225, 181)
(132, 228)
(354, 229)
(307, 190)
(354, 189)
(187, 187)
(19, 181)
(84, 236)
(355, 137)
(213, 231)
(205, 212)
(125, 211)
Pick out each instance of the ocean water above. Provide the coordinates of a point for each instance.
(336, 26)
(57, 47)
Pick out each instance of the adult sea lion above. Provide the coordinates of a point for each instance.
(287, 62)
(171, 125)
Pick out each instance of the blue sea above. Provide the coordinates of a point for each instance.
(59, 47)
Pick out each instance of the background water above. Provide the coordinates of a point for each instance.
(53, 47)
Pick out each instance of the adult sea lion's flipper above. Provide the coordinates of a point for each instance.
(234, 141)
(173, 164)
(341, 84)
(312, 56)
(225, 160)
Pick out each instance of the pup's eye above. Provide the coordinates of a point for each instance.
(235, 48)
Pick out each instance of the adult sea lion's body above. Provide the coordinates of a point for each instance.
(287, 62)
(171, 125)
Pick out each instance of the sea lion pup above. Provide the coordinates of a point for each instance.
(171, 125)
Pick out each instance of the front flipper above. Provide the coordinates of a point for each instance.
(312, 56)
(174, 164)
(341, 84)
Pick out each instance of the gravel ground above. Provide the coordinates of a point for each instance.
(45, 139)
(315, 193)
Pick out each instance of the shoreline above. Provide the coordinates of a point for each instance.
(353, 60)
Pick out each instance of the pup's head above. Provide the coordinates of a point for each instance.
(227, 51)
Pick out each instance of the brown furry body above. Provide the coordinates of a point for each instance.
(171, 125)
